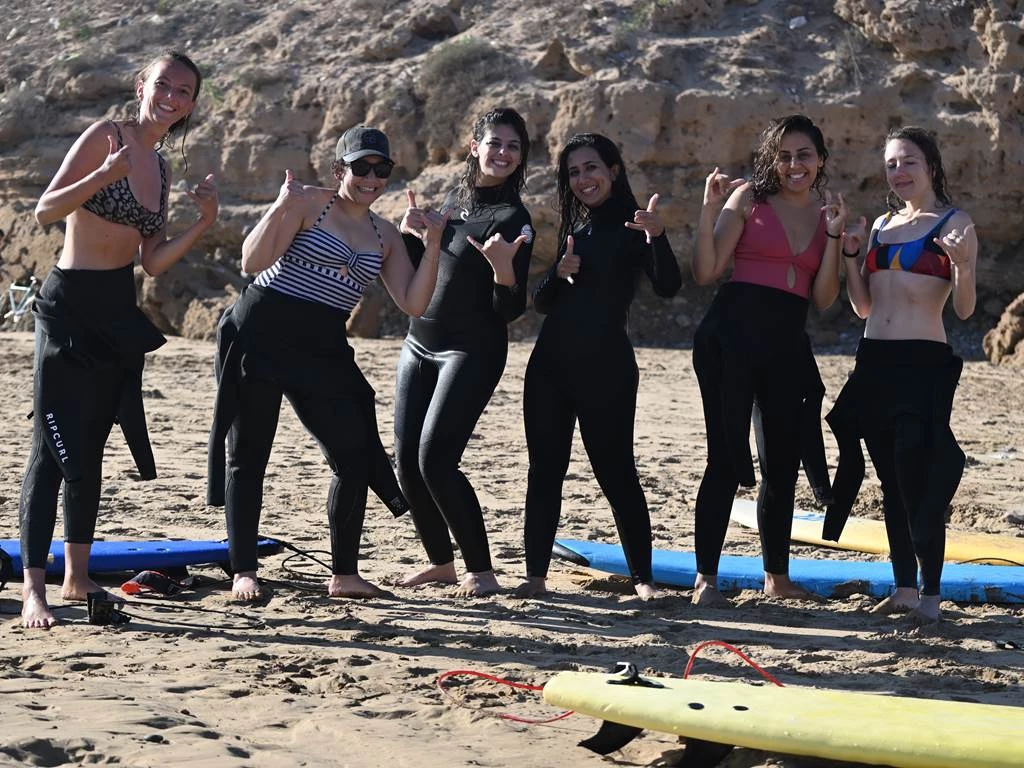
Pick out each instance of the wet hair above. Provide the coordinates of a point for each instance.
(171, 56)
(765, 179)
(925, 141)
(512, 188)
(572, 212)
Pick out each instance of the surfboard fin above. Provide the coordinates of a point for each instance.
(703, 754)
(565, 553)
(697, 753)
(610, 737)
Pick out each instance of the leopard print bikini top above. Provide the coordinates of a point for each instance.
(116, 203)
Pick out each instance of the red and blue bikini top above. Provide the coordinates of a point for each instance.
(921, 256)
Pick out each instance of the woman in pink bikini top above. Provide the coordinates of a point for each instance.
(751, 352)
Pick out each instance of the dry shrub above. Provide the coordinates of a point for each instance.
(451, 76)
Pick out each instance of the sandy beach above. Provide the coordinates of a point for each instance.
(310, 681)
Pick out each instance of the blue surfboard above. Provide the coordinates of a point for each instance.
(828, 578)
(116, 556)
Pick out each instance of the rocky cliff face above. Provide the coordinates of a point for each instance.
(683, 85)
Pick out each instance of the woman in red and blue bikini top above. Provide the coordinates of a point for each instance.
(899, 397)
(751, 352)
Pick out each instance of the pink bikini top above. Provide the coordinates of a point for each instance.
(763, 255)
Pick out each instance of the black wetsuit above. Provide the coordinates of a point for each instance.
(90, 341)
(452, 360)
(272, 343)
(582, 367)
(753, 361)
(898, 400)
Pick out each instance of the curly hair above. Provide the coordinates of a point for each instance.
(512, 189)
(572, 212)
(765, 179)
(926, 142)
(171, 56)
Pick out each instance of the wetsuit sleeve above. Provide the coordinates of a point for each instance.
(546, 293)
(510, 300)
(415, 248)
(659, 262)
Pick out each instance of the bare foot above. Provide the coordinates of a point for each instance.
(77, 589)
(900, 601)
(927, 612)
(646, 591)
(246, 588)
(780, 585)
(532, 586)
(354, 586)
(477, 585)
(435, 574)
(35, 612)
(707, 596)
(705, 593)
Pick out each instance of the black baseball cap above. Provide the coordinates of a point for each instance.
(361, 141)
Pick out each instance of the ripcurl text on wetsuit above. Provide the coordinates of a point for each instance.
(451, 361)
(583, 368)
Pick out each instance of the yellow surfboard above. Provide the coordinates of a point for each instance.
(861, 727)
(864, 535)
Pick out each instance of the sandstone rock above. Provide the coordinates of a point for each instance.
(684, 15)
(911, 27)
(1002, 343)
(555, 64)
(682, 86)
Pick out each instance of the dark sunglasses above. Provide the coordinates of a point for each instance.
(363, 167)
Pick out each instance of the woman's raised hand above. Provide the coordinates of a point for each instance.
(569, 264)
(854, 237)
(957, 244)
(835, 214)
(292, 191)
(499, 253)
(433, 226)
(649, 221)
(206, 198)
(718, 186)
(117, 163)
(414, 222)
(423, 223)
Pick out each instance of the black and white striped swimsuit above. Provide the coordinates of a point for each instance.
(319, 266)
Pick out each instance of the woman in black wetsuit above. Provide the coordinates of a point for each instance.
(313, 253)
(583, 366)
(111, 190)
(455, 352)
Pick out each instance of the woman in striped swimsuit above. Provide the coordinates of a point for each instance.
(313, 253)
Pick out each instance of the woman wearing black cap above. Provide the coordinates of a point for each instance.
(455, 352)
(313, 253)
